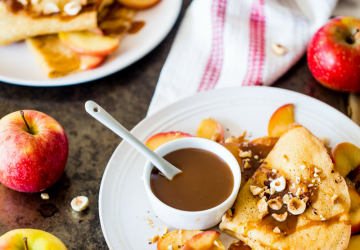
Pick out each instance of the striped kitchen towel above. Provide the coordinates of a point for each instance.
(228, 43)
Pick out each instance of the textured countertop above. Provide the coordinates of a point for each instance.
(125, 95)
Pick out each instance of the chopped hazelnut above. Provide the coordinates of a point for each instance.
(272, 191)
(280, 217)
(297, 180)
(296, 206)
(247, 165)
(286, 199)
(244, 154)
(45, 196)
(231, 139)
(262, 207)
(165, 230)
(155, 238)
(317, 170)
(255, 190)
(265, 194)
(276, 230)
(302, 167)
(256, 157)
(279, 184)
(278, 49)
(276, 203)
(216, 137)
(274, 171)
(227, 216)
(298, 192)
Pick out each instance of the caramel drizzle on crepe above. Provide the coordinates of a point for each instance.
(322, 225)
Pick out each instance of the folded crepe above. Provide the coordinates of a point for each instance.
(19, 21)
(315, 193)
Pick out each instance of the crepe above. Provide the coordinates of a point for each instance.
(325, 224)
(54, 58)
(29, 21)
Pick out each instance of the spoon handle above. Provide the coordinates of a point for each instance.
(105, 118)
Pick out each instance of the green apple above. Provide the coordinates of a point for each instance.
(31, 239)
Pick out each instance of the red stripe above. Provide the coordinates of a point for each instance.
(256, 57)
(213, 68)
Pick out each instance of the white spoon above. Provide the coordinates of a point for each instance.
(165, 167)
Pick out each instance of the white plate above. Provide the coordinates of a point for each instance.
(123, 205)
(18, 66)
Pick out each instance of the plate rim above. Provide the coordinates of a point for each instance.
(59, 82)
(158, 114)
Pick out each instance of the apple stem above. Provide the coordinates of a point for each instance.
(23, 116)
(25, 242)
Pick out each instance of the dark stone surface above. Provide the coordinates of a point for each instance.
(126, 95)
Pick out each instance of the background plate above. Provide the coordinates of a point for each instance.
(18, 65)
(123, 205)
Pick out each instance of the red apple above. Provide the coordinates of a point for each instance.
(33, 151)
(334, 54)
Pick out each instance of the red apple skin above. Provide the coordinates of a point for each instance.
(333, 61)
(31, 163)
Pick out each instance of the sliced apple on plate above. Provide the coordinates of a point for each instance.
(159, 139)
(90, 62)
(89, 43)
(346, 157)
(354, 243)
(354, 211)
(210, 129)
(281, 120)
(208, 240)
(176, 239)
(139, 4)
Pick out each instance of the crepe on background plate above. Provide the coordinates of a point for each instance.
(323, 225)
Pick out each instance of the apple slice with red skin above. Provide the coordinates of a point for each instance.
(204, 241)
(139, 4)
(175, 239)
(90, 62)
(354, 243)
(210, 129)
(159, 139)
(354, 211)
(282, 118)
(89, 43)
(346, 158)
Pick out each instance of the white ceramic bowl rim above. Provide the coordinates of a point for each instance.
(233, 161)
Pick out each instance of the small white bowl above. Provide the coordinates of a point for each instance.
(189, 220)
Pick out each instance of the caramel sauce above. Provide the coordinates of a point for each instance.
(205, 182)
(240, 245)
(136, 27)
(261, 150)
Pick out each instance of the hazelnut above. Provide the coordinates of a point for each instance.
(155, 238)
(50, 8)
(79, 203)
(272, 191)
(279, 184)
(277, 230)
(244, 154)
(262, 207)
(165, 230)
(265, 194)
(280, 217)
(317, 170)
(45, 196)
(278, 49)
(296, 206)
(255, 190)
(305, 200)
(247, 165)
(286, 199)
(276, 203)
(232, 139)
(72, 8)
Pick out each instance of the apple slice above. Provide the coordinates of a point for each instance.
(176, 239)
(210, 129)
(89, 43)
(281, 120)
(90, 62)
(346, 157)
(354, 243)
(159, 139)
(208, 240)
(266, 140)
(354, 211)
(139, 4)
